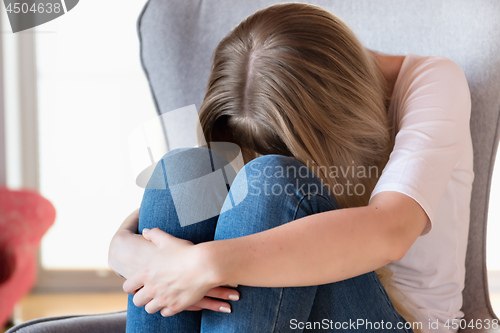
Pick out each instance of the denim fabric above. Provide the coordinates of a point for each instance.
(272, 190)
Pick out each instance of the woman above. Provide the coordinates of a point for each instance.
(293, 83)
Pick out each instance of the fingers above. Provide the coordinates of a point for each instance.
(151, 307)
(205, 303)
(230, 286)
(131, 286)
(209, 303)
(224, 293)
(214, 305)
(155, 235)
(142, 298)
(194, 308)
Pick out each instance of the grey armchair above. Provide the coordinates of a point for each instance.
(178, 38)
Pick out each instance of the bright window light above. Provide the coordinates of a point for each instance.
(92, 95)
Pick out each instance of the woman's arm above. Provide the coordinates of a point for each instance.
(317, 249)
(127, 249)
(322, 248)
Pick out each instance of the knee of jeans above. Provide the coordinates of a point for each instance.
(277, 175)
(274, 184)
(186, 164)
(268, 164)
(278, 168)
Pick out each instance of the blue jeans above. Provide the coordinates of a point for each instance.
(269, 191)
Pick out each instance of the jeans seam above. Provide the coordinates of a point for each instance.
(275, 325)
(304, 196)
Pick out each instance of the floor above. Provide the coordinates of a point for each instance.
(46, 305)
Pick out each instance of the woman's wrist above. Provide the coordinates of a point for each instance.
(121, 248)
(217, 265)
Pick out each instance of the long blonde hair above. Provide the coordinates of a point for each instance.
(293, 79)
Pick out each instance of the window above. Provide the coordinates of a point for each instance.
(90, 94)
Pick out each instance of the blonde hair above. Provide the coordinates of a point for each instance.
(293, 80)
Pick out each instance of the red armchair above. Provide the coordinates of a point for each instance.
(25, 216)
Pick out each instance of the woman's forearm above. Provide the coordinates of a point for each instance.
(321, 248)
(128, 250)
(318, 249)
(128, 253)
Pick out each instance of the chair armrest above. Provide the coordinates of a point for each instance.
(104, 323)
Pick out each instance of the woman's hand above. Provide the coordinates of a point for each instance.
(177, 277)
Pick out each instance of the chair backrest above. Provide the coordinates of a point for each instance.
(179, 37)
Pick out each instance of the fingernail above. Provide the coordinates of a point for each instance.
(225, 309)
(234, 297)
(145, 230)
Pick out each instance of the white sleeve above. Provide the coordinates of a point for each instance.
(433, 122)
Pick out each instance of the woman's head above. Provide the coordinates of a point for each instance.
(292, 79)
